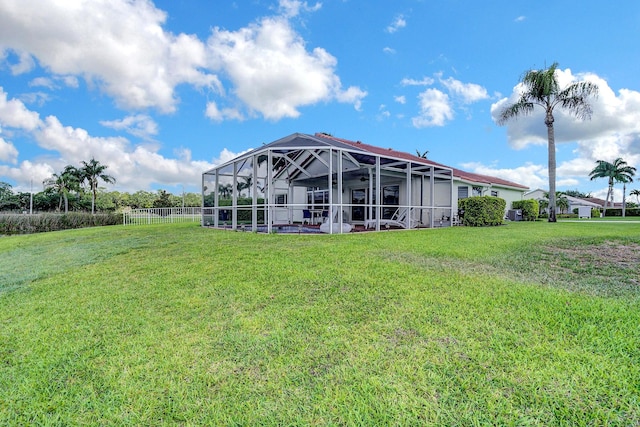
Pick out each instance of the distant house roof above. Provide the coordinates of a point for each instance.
(457, 173)
(601, 202)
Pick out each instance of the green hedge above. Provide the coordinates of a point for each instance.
(25, 224)
(530, 208)
(244, 215)
(618, 212)
(482, 211)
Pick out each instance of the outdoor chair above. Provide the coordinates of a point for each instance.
(306, 216)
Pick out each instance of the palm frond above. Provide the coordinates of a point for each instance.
(522, 107)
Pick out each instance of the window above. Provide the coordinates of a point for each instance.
(281, 199)
(463, 192)
(494, 193)
(477, 191)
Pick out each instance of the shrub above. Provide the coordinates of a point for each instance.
(244, 215)
(618, 212)
(25, 224)
(595, 213)
(530, 208)
(482, 211)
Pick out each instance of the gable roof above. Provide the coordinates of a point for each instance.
(601, 202)
(457, 173)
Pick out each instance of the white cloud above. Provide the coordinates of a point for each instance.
(532, 175)
(43, 82)
(398, 23)
(134, 166)
(118, 45)
(25, 63)
(435, 109)
(436, 106)
(39, 98)
(140, 125)
(27, 173)
(388, 50)
(520, 18)
(273, 73)
(426, 81)
(400, 99)
(292, 8)
(8, 152)
(50, 82)
(13, 113)
(214, 113)
(353, 95)
(468, 92)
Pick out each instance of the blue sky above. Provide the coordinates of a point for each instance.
(161, 91)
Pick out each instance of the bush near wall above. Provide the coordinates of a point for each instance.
(38, 223)
(482, 211)
(618, 212)
(530, 208)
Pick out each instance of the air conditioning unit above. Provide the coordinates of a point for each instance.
(514, 214)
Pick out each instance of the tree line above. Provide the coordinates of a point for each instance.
(77, 189)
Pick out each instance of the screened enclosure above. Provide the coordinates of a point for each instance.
(321, 182)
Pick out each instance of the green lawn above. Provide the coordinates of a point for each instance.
(524, 324)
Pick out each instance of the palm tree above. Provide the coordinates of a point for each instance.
(624, 181)
(93, 171)
(562, 202)
(618, 171)
(543, 205)
(422, 154)
(68, 180)
(541, 88)
(636, 193)
(248, 183)
(225, 190)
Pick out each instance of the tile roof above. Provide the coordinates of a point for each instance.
(602, 202)
(458, 173)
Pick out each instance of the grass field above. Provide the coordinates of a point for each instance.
(524, 324)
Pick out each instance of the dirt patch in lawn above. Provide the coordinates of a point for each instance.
(605, 254)
(607, 267)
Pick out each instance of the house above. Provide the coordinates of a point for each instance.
(574, 202)
(313, 179)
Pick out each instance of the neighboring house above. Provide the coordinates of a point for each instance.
(468, 184)
(600, 203)
(574, 202)
(307, 178)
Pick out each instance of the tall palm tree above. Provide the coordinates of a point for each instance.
(636, 193)
(541, 88)
(65, 182)
(624, 191)
(618, 171)
(92, 171)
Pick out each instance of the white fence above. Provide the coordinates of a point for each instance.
(162, 215)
